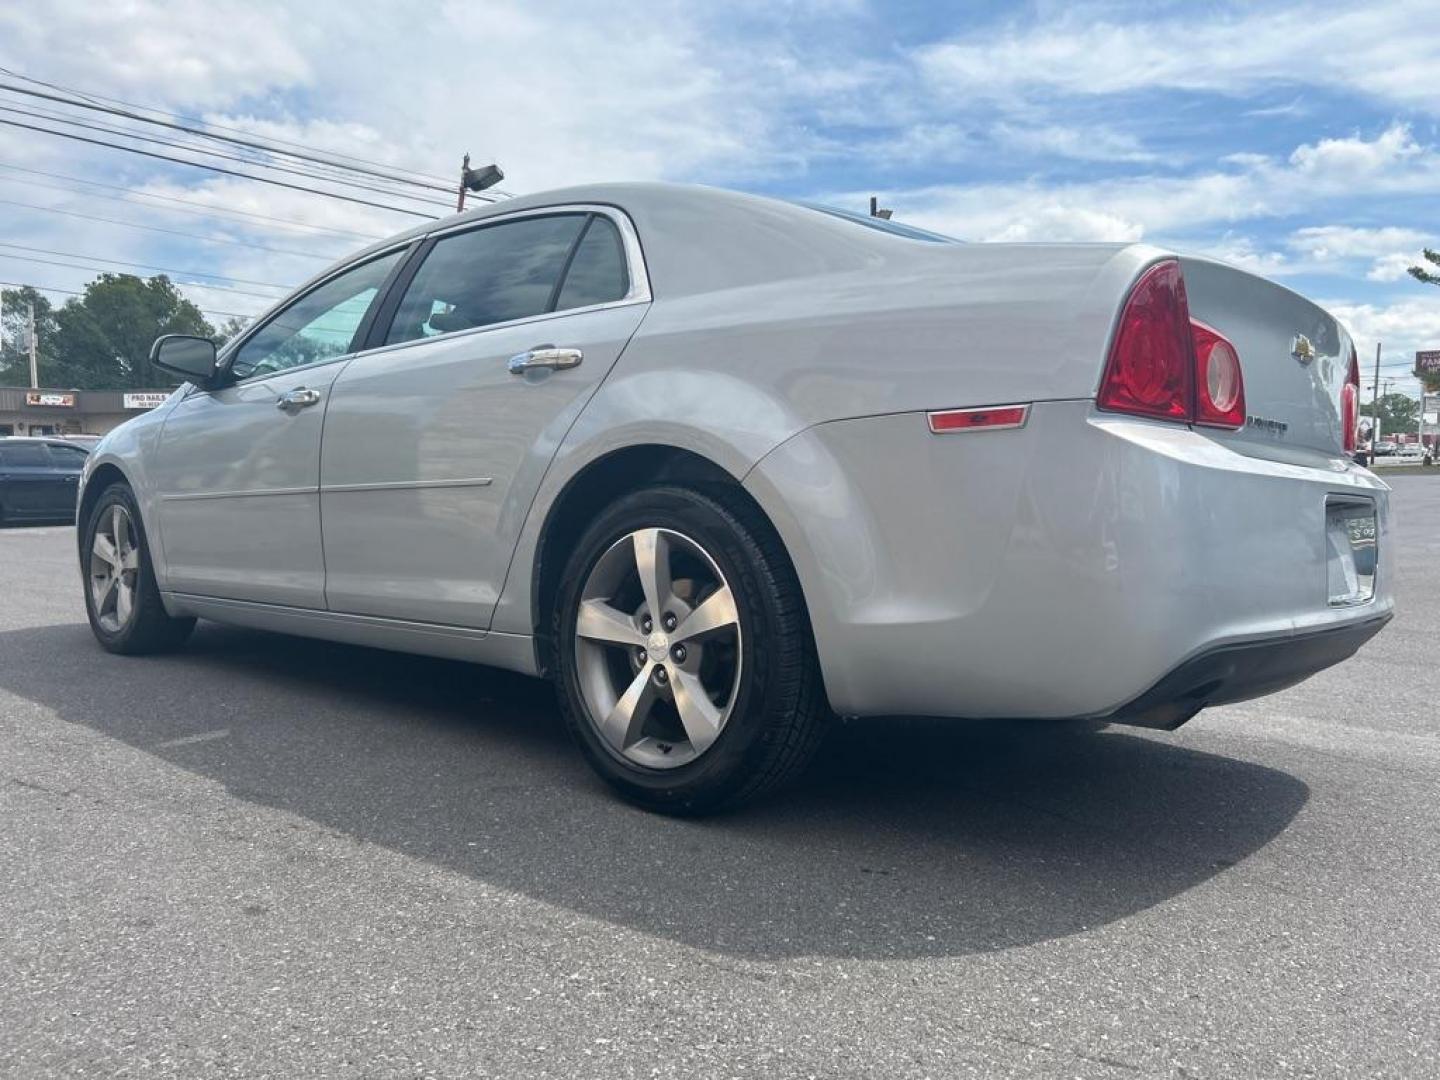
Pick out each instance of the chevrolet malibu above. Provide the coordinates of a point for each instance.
(722, 467)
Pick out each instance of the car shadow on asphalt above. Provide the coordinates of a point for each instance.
(905, 839)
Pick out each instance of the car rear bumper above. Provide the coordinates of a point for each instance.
(1230, 673)
(1083, 565)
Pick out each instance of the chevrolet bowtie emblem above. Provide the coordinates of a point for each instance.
(1302, 350)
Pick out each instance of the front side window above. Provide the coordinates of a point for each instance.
(510, 270)
(318, 326)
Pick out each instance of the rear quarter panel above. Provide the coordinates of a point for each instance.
(731, 374)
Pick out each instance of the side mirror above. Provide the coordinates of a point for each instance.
(190, 357)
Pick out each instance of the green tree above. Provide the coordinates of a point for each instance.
(1422, 273)
(103, 337)
(233, 325)
(1430, 277)
(1397, 413)
(14, 349)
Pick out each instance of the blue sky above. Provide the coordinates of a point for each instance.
(1296, 139)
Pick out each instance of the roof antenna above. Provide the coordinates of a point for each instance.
(875, 210)
(475, 180)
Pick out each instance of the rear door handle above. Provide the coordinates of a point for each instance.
(545, 357)
(299, 398)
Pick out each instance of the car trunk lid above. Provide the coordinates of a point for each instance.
(1294, 357)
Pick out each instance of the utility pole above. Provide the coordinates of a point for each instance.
(1375, 408)
(34, 359)
(464, 173)
(475, 180)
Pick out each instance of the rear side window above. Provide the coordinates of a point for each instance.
(67, 457)
(24, 456)
(488, 275)
(597, 273)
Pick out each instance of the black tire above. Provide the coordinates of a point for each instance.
(149, 628)
(779, 712)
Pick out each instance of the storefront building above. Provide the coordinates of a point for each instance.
(71, 412)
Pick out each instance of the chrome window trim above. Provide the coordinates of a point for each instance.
(638, 292)
(454, 335)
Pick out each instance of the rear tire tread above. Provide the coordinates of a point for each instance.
(794, 693)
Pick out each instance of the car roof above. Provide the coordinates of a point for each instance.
(697, 238)
(44, 440)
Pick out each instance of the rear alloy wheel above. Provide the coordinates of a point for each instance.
(657, 643)
(683, 653)
(121, 597)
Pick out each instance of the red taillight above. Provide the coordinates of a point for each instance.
(1350, 404)
(1167, 365)
(1150, 371)
(1219, 386)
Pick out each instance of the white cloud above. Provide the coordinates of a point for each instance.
(1141, 206)
(1392, 267)
(1389, 50)
(1243, 252)
(168, 53)
(1075, 143)
(1390, 250)
(1343, 241)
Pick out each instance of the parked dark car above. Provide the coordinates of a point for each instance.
(39, 478)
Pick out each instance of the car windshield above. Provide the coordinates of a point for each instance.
(894, 228)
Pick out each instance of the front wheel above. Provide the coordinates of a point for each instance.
(683, 658)
(121, 597)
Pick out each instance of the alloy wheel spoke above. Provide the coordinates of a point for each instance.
(698, 713)
(124, 600)
(130, 559)
(104, 549)
(101, 586)
(117, 528)
(622, 727)
(598, 621)
(716, 613)
(652, 562)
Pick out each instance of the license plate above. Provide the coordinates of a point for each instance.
(1352, 550)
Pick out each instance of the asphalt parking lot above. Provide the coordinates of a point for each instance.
(268, 857)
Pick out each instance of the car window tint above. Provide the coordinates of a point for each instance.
(318, 325)
(597, 274)
(488, 275)
(26, 455)
(70, 457)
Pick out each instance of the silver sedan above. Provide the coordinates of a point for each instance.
(723, 467)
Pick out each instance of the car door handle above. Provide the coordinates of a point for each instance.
(299, 398)
(545, 357)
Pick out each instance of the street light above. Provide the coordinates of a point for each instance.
(476, 180)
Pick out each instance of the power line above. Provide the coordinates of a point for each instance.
(171, 232)
(328, 176)
(199, 209)
(203, 210)
(80, 292)
(210, 128)
(360, 165)
(219, 169)
(102, 270)
(143, 266)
